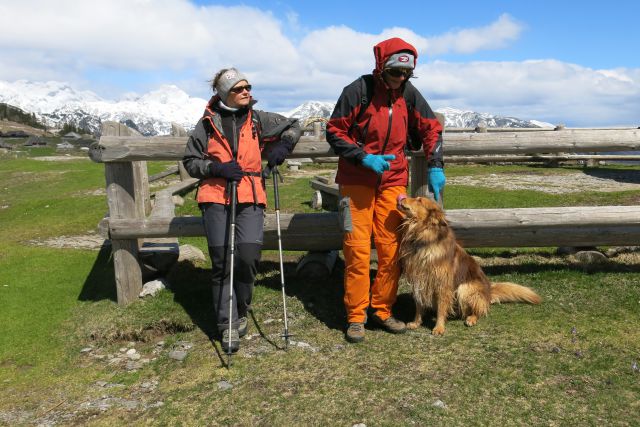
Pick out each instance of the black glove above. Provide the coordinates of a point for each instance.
(278, 153)
(231, 171)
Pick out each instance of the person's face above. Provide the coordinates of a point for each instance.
(239, 95)
(394, 77)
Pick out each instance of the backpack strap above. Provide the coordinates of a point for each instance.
(366, 94)
(256, 128)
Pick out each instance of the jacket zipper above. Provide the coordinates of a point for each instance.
(386, 138)
(234, 143)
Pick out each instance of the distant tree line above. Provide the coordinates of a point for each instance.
(68, 127)
(15, 114)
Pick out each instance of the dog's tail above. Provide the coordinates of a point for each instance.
(511, 292)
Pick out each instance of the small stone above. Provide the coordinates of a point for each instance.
(190, 253)
(439, 404)
(178, 355)
(160, 344)
(590, 257)
(130, 404)
(86, 350)
(131, 351)
(224, 385)
(153, 287)
(123, 349)
(101, 383)
(133, 366)
(185, 345)
(359, 425)
(134, 356)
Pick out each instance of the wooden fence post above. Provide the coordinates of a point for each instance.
(419, 184)
(127, 197)
(177, 130)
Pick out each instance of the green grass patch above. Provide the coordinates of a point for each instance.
(574, 359)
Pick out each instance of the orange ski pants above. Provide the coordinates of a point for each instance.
(374, 212)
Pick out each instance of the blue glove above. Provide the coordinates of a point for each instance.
(436, 180)
(378, 162)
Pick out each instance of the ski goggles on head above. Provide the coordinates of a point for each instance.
(399, 72)
(240, 89)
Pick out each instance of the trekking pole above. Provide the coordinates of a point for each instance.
(276, 196)
(232, 243)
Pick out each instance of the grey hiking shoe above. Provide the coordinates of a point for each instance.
(243, 326)
(235, 340)
(355, 332)
(391, 324)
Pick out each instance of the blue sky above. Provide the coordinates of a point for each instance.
(556, 61)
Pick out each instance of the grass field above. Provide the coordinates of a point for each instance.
(66, 347)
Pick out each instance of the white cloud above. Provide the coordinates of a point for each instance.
(546, 90)
(494, 36)
(177, 42)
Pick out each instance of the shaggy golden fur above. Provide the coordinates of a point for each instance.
(442, 275)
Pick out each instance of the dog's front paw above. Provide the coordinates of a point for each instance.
(438, 330)
(413, 325)
(471, 320)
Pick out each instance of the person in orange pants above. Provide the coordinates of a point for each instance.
(372, 211)
(374, 118)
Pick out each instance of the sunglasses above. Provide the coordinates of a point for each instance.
(399, 72)
(240, 89)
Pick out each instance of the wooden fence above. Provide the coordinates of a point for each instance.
(131, 217)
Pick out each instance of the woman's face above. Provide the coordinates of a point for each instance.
(239, 95)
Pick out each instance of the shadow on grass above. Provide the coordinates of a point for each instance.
(531, 268)
(191, 287)
(618, 175)
(321, 297)
(100, 283)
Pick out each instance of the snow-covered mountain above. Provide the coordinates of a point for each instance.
(58, 103)
(311, 109)
(469, 119)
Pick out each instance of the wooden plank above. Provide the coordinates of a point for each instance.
(181, 187)
(114, 148)
(325, 187)
(159, 254)
(120, 198)
(141, 195)
(170, 171)
(525, 227)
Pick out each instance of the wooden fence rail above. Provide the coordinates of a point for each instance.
(129, 221)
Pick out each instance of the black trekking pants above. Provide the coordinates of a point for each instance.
(248, 245)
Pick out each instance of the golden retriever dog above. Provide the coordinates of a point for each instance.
(443, 276)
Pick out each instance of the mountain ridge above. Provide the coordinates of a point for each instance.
(58, 103)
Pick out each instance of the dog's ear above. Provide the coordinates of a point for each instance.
(441, 218)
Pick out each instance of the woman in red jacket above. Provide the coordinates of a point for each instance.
(369, 128)
(225, 147)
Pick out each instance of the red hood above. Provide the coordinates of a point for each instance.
(383, 50)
